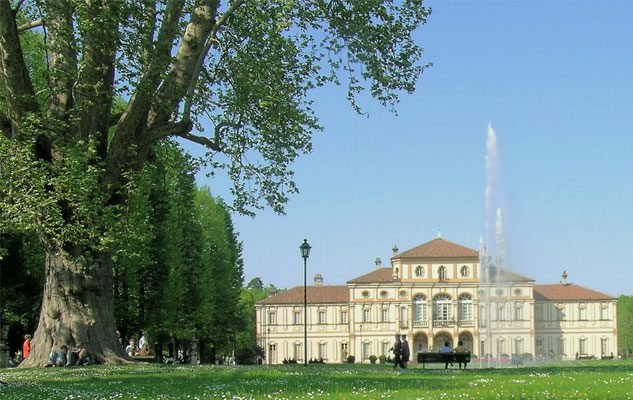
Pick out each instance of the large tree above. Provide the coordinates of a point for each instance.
(233, 77)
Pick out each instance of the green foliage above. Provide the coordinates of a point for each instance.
(625, 325)
(178, 264)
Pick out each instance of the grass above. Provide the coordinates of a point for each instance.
(563, 380)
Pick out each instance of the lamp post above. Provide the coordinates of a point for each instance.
(305, 253)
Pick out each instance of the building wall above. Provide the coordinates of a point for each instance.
(376, 311)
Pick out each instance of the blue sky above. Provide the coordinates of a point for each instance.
(555, 81)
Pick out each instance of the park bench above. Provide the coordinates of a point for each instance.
(586, 357)
(443, 358)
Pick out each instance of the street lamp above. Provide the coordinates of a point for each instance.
(305, 253)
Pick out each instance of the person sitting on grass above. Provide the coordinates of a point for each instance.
(447, 350)
(57, 358)
(461, 349)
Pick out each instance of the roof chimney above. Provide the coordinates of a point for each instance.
(318, 280)
(378, 262)
(563, 280)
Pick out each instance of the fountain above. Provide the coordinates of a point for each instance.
(492, 277)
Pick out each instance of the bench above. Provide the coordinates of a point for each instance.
(443, 358)
(586, 357)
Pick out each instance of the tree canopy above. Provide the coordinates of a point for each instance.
(87, 97)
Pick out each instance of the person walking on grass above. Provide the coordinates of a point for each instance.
(406, 352)
(397, 352)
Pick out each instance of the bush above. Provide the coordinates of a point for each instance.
(528, 356)
(504, 355)
(351, 359)
(383, 359)
(372, 359)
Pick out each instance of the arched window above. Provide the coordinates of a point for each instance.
(419, 271)
(465, 305)
(441, 273)
(419, 308)
(464, 271)
(442, 308)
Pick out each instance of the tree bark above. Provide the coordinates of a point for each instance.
(77, 310)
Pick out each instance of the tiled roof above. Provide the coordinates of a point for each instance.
(316, 295)
(567, 292)
(438, 248)
(382, 275)
(508, 276)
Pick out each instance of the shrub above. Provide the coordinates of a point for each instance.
(383, 359)
(504, 355)
(351, 359)
(372, 359)
(528, 356)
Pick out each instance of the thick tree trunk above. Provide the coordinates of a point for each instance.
(77, 310)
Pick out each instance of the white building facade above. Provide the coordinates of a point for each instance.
(433, 294)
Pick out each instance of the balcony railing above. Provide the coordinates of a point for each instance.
(443, 324)
(420, 324)
(466, 323)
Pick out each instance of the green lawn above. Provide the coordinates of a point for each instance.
(564, 380)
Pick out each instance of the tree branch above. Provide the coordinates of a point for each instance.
(30, 25)
(14, 74)
(212, 39)
(189, 54)
(206, 142)
(18, 6)
(62, 56)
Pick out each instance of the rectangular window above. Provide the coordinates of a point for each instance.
(539, 312)
(296, 318)
(561, 346)
(518, 346)
(501, 315)
(322, 319)
(343, 317)
(582, 313)
(272, 318)
(482, 348)
(384, 315)
(502, 346)
(604, 313)
(343, 352)
(366, 315)
(518, 314)
(582, 346)
(385, 349)
(404, 317)
(323, 351)
(366, 350)
(298, 351)
(604, 346)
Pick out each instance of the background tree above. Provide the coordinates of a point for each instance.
(625, 325)
(22, 279)
(244, 68)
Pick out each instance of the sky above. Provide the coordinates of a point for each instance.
(555, 82)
